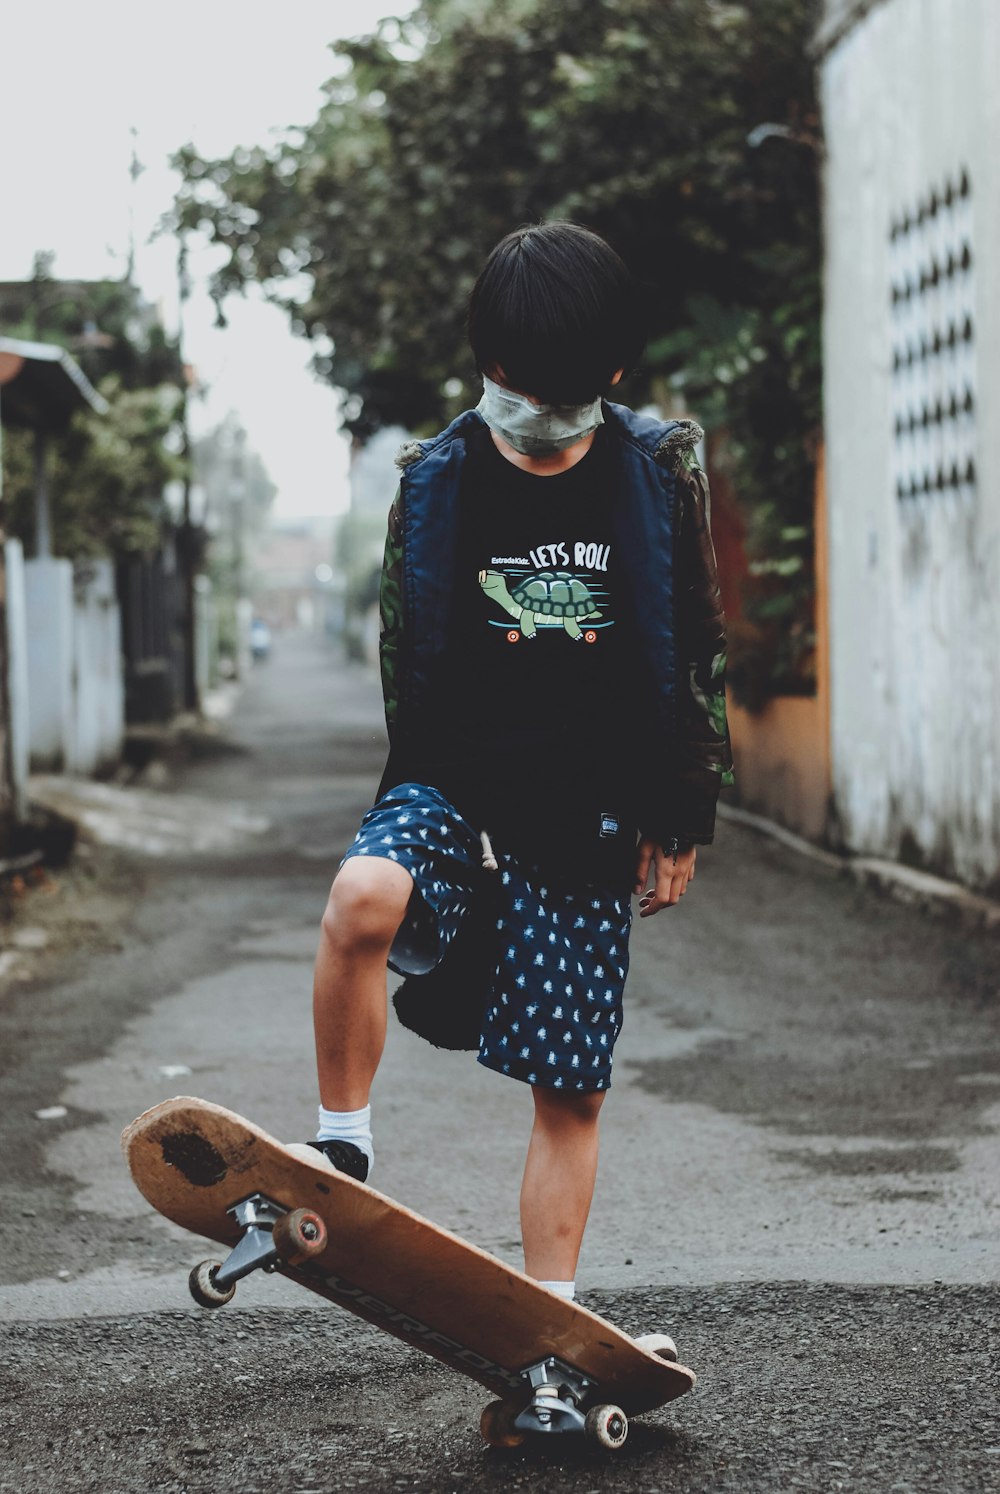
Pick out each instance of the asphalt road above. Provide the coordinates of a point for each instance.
(799, 1179)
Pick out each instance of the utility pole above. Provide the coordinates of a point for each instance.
(187, 547)
(8, 793)
(238, 517)
(43, 515)
(135, 170)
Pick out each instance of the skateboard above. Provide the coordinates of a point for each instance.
(554, 1366)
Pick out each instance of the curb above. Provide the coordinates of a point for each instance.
(906, 883)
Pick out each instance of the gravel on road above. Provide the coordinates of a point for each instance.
(800, 1387)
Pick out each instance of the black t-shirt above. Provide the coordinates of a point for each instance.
(537, 733)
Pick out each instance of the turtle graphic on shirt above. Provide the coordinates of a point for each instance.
(548, 599)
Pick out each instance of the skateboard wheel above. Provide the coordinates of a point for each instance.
(299, 1235)
(203, 1287)
(606, 1425)
(497, 1425)
(660, 1344)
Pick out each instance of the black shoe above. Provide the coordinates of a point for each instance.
(345, 1157)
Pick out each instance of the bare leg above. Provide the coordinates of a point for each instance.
(367, 904)
(559, 1177)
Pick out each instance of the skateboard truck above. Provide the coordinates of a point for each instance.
(558, 1391)
(256, 1248)
(271, 1233)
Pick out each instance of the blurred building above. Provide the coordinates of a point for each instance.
(291, 579)
(912, 395)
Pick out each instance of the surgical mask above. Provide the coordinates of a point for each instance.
(536, 430)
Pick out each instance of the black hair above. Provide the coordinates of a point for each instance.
(558, 311)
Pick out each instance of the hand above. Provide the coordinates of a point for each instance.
(670, 880)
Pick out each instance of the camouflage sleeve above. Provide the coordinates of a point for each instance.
(702, 755)
(390, 603)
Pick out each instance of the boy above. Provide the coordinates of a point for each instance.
(552, 652)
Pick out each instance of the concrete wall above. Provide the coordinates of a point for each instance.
(781, 753)
(76, 709)
(17, 648)
(911, 109)
(781, 762)
(49, 603)
(98, 708)
(206, 636)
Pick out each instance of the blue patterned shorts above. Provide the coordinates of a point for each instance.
(555, 1009)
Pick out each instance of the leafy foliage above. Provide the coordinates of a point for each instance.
(441, 132)
(106, 475)
(105, 324)
(107, 472)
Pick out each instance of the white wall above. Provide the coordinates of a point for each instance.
(17, 672)
(910, 100)
(206, 636)
(76, 699)
(49, 604)
(99, 692)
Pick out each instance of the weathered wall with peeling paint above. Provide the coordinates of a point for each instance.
(910, 103)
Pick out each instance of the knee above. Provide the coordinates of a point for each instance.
(366, 904)
(560, 1109)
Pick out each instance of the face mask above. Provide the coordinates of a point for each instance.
(536, 430)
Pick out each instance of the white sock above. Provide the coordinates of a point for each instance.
(565, 1289)
(348, 1125)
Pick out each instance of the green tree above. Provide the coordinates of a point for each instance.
(635, 117)
(107, 472)
(236, 495)
(106, 324)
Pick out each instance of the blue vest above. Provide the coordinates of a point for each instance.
(645, 508)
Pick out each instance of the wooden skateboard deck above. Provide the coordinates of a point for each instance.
(194, 1161)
